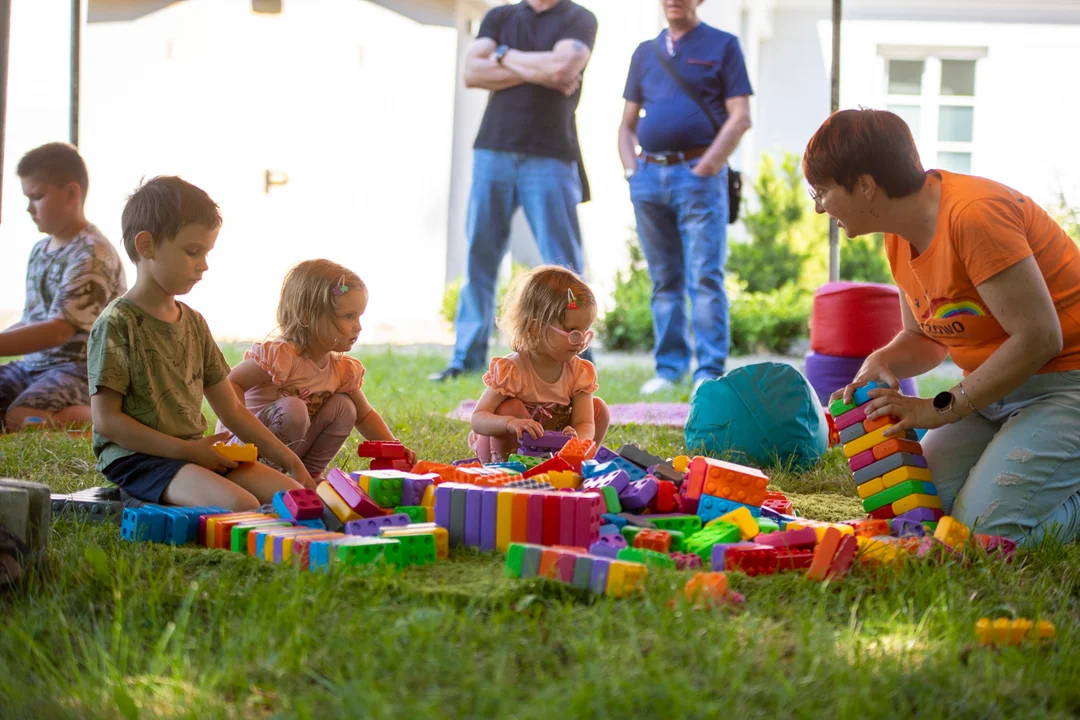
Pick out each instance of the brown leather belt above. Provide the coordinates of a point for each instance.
(673, 158)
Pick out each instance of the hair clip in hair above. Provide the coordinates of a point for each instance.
(340, 288)
(571, 301)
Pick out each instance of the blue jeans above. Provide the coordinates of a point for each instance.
(548, 190)
(1013, 468)
(682, 224)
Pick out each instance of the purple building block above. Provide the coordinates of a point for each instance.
(466, 461)
(609, 529)
(903, 527)
(598, 581)
(474, 498)
(921, 515)
(617, 479)
(551, 442)
(638, 494)
(608, 545)
(604, 455)
(442, 505)
(369, 527)
(488, 515)
(412, 488)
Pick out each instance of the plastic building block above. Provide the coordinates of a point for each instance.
(587, 510)
(613, 518)
(701, 543)
(870, 488)
(895, 445)
(871, 528)
(923, 515)
(686, 524)
(741, 518)
(414, 486)
(237, 453)
(1004, 631)
(303, 504)
(351, 494)
(890, 462)
(838, 408)
(726, 480)
(902, 474)
(852, 433)
(862, 395)
(665, 500)
(335, 503)
(639, 493)
(917, 500)
(548, 442)
(658, 540)
(369, 527)
(369, 550)
(952, 533)
(789, 558)
(650, 558)
(625, 578)
(555, 463)
(686, 561)
(538, 482)
(706, 589)
(238, 534)
(527, 460)
(995, 544)
(896, 492)
(485, 476)
(873, 439)
(381, 450)
(751, 560)
(386, 491)
(767, 525)
(805, 537)
(902, 527)
(778, 502)
(415, 513)
(577, 451)
(711, 507)
(851, 417)
(582, 572)
(85, 509)
(641, 458)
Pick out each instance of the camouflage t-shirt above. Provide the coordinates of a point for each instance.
(161, 369)
(73, 283)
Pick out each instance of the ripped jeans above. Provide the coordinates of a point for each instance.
(1013, 468)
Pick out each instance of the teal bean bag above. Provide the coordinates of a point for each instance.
(761, 414)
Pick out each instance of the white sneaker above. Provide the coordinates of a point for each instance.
(655, 385)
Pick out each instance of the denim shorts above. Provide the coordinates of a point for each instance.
(144, 477)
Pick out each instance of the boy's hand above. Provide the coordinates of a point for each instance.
(202, 452)
(524, 425)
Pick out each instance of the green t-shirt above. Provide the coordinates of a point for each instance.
(159, 367)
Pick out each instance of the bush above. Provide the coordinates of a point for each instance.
(1067, 216)
(863, 259)
(453, 291)
(768, 322)
(772, 258)
(628, 325)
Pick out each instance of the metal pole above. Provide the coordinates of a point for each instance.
(5, 28)
(834, 230)
(76, 55)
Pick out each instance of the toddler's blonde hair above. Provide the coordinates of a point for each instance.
(308, 299)
(539, 299)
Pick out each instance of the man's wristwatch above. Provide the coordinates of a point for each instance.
(500, 53)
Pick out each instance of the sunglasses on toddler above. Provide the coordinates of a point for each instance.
(575, 337)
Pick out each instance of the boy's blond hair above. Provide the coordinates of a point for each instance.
(308, 297)
(538, 299)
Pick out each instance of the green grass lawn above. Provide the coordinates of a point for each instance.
(122, 630)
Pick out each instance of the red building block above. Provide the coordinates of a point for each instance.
(554, 463)
(552, 518)
(794, 558)
(882, 513)
(751, 560)
(686, 561)
(778, 502)
(304, 504)
(386, 464)
(740, 483)
(665, 500)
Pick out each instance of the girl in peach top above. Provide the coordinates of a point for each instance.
(543, 385)
(302, 385)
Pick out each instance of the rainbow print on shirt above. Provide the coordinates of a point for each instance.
(945, 308)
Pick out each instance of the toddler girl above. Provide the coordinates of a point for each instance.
(303, 386)
(543, 385)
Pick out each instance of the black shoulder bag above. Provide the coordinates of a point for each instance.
(734, 176)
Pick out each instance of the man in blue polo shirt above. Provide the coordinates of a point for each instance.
(531, 57)
(678, 183)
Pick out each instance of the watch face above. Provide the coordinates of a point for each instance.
(943, 400)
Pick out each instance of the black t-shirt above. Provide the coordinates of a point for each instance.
(530, 118)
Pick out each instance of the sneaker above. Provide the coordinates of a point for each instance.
(655, 385)
(130, 501)
(447, 374)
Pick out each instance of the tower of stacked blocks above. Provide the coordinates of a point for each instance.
(891, 474)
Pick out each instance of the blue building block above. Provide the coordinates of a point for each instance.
(591, 468)
(175, 531)
(135, 525)
(280, 508)
(611, 518)
(862, 396)
(314, 523)
(609, 529)
(711, 507)
(511, 466)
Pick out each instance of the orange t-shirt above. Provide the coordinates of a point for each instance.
(984, 228)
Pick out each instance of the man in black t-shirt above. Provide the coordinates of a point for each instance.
(531, 57)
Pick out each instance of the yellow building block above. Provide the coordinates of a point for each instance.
(1004, 631)
(268, 544)
(866, 442)
(917, 500)
(878, 551)
(899, 475)
(680, 463)
(364, 481)
(952, 532)
(871, 487)
(333, 501)
(504, 518)
(563, 479)
(625, 578)
(819, 527)
(743, 519)
(430, 513)
(237, 453)
(442, 537)
(428, 499)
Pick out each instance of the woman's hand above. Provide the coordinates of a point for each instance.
(873, 368)
(524, 425)
(909, 413)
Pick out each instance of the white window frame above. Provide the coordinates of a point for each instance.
(930, 101)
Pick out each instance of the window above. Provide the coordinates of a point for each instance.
(933, 90)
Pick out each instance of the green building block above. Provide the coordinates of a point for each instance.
(838, 407)
(368, 550)
(630, 532)
(649, 558)
(238, 535)
(527, 460)
(515, 557)
(766, 526)
(930, 527)
(686, 524)
(891, 495)
(701, 543)
(386, 492)
(417, 550)
(611, 499)
(416, 513)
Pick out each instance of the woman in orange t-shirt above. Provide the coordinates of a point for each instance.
(988, 278)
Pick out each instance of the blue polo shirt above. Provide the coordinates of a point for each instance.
(711, 62)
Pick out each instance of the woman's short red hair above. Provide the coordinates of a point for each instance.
(877, 143)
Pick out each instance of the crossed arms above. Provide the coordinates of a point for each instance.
(559, 69)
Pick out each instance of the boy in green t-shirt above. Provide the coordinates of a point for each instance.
(151, 359)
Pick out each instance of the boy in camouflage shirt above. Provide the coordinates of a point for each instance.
(72, 275)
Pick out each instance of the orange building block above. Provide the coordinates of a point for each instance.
(445, 472)
(577, 451)
(519, 523)
(893, 445)
(483, 476)
(653, 540)
(237, 453)
(878, 423)
(706, 588)
(740, 483)
(872, 528)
